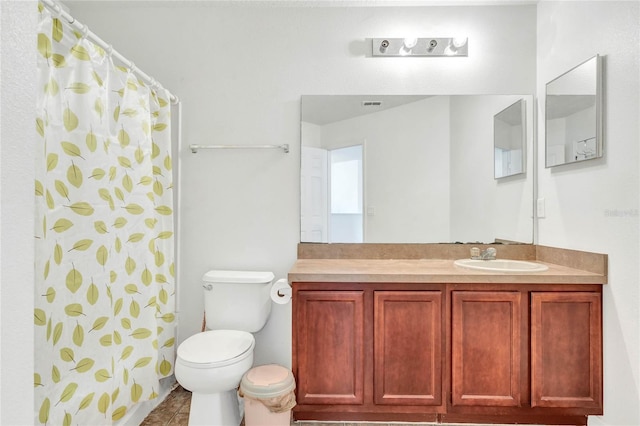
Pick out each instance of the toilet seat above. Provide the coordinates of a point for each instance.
(215, 348)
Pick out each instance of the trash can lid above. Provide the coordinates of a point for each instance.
(267, 381)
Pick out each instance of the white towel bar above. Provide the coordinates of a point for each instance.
(195, 148)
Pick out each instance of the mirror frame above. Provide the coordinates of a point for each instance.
(599, 134)
(523, 139)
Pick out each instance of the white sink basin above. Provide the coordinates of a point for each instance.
(501, 265)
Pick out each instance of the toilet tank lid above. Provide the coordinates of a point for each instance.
(249, 277)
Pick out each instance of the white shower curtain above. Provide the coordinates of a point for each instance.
(105, 282)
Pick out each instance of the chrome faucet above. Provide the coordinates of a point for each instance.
(488, 254)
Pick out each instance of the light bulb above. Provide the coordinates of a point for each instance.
(458, 42)
(410, 42)
(454, 45)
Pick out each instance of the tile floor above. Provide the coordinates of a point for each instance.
(174, 411)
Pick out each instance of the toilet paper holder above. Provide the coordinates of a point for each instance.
(282, 292)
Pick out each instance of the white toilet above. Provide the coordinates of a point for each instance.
(211, 364)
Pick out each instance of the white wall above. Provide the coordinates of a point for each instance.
(594, 205)
(17, 153)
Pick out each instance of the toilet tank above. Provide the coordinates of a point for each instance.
(237, 300)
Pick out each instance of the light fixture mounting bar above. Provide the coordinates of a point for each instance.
(429, 46)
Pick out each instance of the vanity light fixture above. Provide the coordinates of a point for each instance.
(435, 46)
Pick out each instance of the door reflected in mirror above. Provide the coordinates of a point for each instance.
(345, 195)
(573, 115)
(509, 140)
(411, 169)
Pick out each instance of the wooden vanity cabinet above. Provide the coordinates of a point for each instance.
(467, 353)
(407, 348)
(525, 353)
(488, 333)
(330, 347)
(368, 351)
(566, 350)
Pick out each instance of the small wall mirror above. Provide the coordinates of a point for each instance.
(573, 115)
(509, 140)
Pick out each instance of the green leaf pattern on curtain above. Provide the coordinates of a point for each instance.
(105, 282)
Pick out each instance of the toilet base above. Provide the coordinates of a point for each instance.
(214, 409)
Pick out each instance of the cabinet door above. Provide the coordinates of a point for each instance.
(330, 345)
(566, 350)
(486, 341)
(408, 356)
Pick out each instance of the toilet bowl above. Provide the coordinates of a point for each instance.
(211, 364)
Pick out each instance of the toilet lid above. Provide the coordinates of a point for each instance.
(215, 346)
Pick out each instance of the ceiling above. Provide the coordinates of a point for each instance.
(324, 109)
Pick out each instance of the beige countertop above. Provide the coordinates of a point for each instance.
(429, 271)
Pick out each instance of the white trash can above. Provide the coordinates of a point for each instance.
(268, 392)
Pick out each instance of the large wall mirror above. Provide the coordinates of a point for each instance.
(410, 169)
(573, 115)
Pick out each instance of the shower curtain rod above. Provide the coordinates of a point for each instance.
(54, 7)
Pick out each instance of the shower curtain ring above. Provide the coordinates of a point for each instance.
(110, 50)
(85, 31)
(132, 66)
